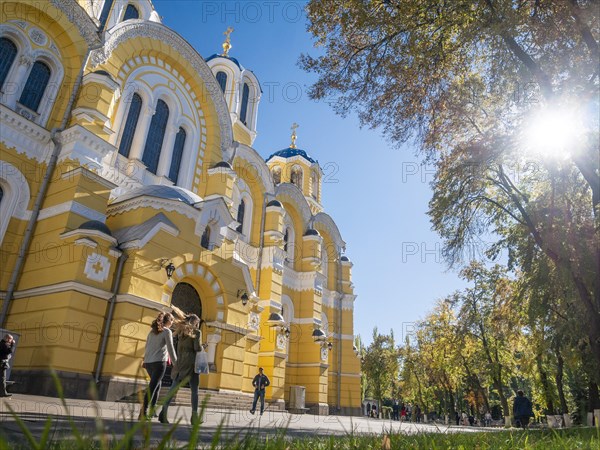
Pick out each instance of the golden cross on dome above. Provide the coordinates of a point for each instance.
(294, 137)
(227, 44)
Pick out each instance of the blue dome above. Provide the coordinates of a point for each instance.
(96, 226)
(222, 164)
(233, 60)
(290, 153)
(274, 203)
(160, 191)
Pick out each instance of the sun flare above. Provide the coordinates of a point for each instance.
(553, 132)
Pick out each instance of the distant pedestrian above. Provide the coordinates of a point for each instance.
(189, 342)
(395, 411)
(417, 414)
(159, 347)
(260, 382)
(487, 419)
(457, 418)
(522, 410)
(368, 409)
(7, 345)
(403, 412)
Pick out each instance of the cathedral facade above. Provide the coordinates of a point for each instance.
(129, 184)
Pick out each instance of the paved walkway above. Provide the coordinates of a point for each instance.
(117, 418)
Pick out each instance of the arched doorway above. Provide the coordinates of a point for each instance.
(186, 298)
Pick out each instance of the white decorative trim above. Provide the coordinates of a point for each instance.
(97, 267)
(140, 301)
(270, 304)
(84, 232)
(16, 196)
(330, 226)
(87, 174)
(72, 207)
(77, 16)
(82, 145)
(140, 243)
(299, 281)
(86, 242)
(139, 29)
(104, 80)
(62, 287)
(24, 136)
(146, 201)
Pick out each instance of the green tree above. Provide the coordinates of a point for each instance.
(380, 364)
(464, 78)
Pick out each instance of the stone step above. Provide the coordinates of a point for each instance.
(211, 399)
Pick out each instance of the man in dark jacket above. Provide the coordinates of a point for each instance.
(522, 410)
(260, 382)
(6, 349)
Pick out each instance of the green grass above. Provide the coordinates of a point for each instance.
(138, 435)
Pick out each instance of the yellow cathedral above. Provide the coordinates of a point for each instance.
(129, 184)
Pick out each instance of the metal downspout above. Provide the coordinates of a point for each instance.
(31, 225)
(111, 308)
(339, 380)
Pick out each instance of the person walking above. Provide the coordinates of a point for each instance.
(260, 382)
(159, 347)
(6, 348)
(189, 342)
(522, 410)
(368, 409)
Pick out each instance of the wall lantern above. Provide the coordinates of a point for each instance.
(243, 296)
(318, 335)
(170, 268)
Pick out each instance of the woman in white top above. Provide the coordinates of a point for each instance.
(159, 346)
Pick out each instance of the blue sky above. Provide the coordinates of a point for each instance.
(378, 195)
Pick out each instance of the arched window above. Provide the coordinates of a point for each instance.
(131, 12)
(286, 238)
(297, 177)
(205, 240)
(276, 172)
(177, 155)
(132, 119)
(240, 216)
(8, 53)
(105, 12)
(222, 80)
(35, 86)
(314, 185)
(245, 98)
(156, 135)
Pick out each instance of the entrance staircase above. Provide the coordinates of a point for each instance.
(212, 399)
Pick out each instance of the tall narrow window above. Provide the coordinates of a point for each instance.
(245, 98)
(240, 216)
(276, 175)
(222, 80)
(286, 238)
(296, 177)
(8, 53)
(35, 86)
(105, 12)
(156, 135)
(131, 12)
(177, 155)
(205, 240)
(132, 119)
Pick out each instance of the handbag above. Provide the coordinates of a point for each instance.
(201, 362)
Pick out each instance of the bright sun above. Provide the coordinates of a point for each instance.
(553, 133)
